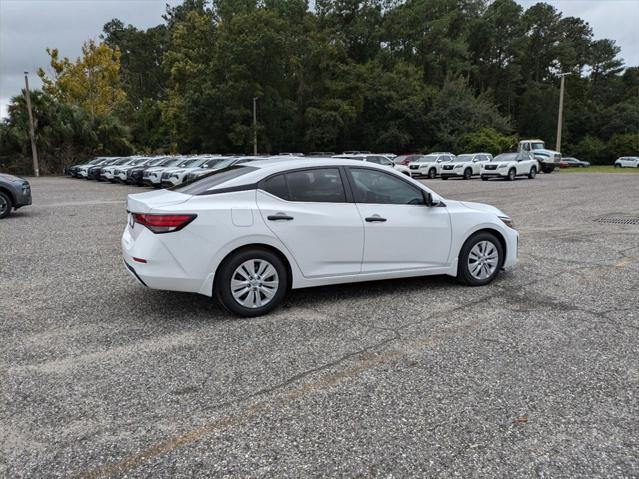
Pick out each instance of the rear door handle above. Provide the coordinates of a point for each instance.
(279, 217)
(375, 219)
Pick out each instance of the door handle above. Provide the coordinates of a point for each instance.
(279, 217)
(375, 219)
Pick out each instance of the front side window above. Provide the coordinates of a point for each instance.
(370, 186)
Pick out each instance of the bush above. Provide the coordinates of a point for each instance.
(623, 144)
(485, 140)
(590, 149)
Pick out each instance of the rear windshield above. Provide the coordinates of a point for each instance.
(204, 183)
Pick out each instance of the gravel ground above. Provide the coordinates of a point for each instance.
(534, 375)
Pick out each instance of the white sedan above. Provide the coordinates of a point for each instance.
(510, 165)
(627, 162)
(248, 233)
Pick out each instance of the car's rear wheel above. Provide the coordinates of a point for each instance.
(533, 173)
(5, 205)
(480, 259)
(484, 178)
(432, 173)
(468, 173)
(444, 177)
(511, 174)
(252, 282)
(617, 165)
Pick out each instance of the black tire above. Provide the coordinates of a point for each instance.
(468, 173)
(464, 275)
(533, 173)
(547, 169)
(444, 177)
(512, 173)
(617, 165)
(225, 272)
(5, 205)
(484, 178)
(432, 173)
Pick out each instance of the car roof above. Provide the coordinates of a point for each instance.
(267, 167)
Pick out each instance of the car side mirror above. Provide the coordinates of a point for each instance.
(428, 199)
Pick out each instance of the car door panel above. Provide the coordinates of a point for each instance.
(411, 237)
(326, 239)
(399, 233)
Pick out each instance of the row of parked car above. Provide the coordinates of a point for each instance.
(173, 170)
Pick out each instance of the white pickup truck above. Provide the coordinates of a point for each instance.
(548, 159)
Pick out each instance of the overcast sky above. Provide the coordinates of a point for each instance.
(27, 27)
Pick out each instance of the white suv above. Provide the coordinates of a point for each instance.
(465, 166)
(627, 162)
(510, 165)
(430, 165)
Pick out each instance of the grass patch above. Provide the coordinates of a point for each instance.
(599, 169)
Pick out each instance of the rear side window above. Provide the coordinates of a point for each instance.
(322, 185)
(217, 177)
(276, 185)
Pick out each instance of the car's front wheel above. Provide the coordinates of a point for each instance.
(511, 174)
(480, 259)
(484, 178)
(432, 173)
(252, 282)
(468, 173)
(5, 205)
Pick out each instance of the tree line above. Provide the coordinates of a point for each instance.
(383, 75)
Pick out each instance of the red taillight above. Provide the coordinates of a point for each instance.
(163, 223)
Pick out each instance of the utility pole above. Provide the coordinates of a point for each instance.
(34, 150)
(561, 112)
(255, 125)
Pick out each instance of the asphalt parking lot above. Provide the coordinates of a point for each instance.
(536, 375)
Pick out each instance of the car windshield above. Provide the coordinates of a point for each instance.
(537, 146)
(428, 158)
(121, 161)
(462, 158)
(211, 162)
(506, 157)
(172, 162)
(186, 163)
(215, 178)
(157, 161)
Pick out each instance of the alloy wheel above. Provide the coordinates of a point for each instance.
(254, 283)
(483, 260)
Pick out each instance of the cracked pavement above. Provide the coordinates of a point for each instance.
(535, 375)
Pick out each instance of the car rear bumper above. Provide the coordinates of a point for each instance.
(161, 269)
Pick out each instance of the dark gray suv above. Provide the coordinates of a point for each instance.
(15, 193)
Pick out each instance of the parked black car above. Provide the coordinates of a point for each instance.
(93, 173)
(570, 162)
(15, 192)
(134, 175)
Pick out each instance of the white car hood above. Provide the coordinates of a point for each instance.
(481, 207)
